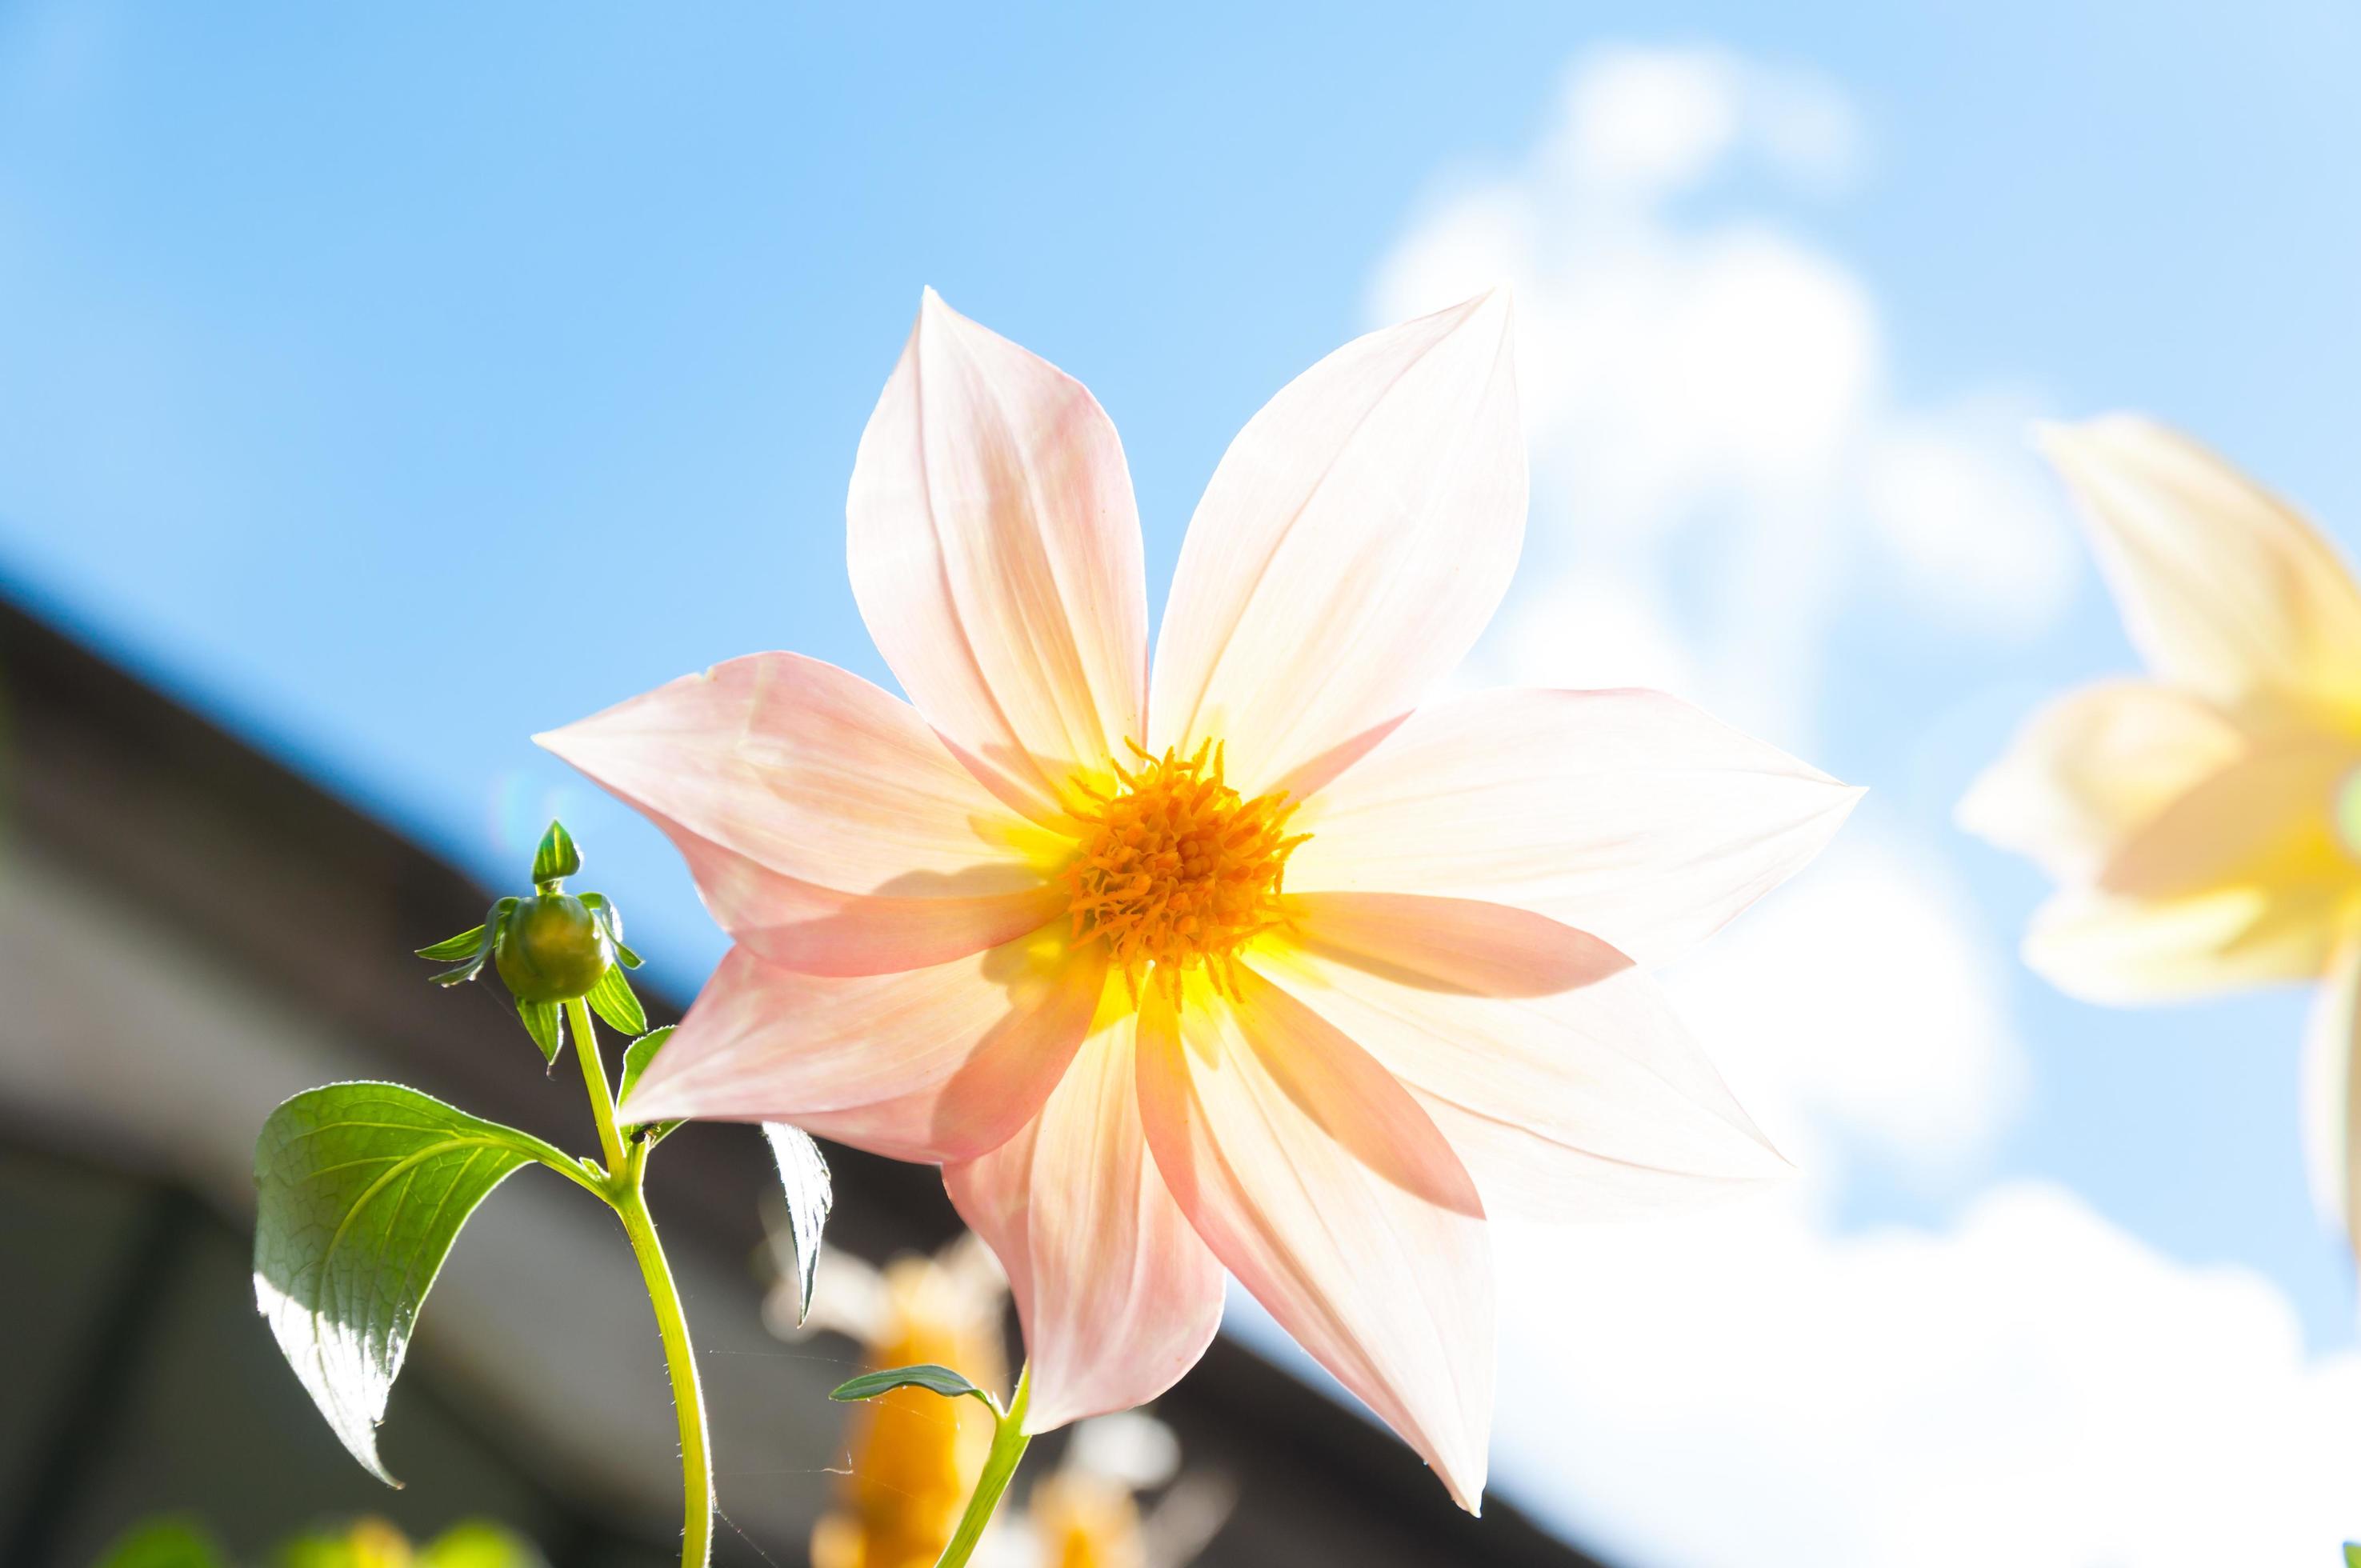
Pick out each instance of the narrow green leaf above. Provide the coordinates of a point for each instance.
(804, 1173)
(165, 1543)
(612, 919)
(556, 857)
(361, 1188)
(934, 1379)
(547, 1023)
(463, 945)
(611, 999)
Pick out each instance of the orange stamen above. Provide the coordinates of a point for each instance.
(1176, 869)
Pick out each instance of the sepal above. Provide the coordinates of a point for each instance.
(611, 999)
(476, 947)
(610, 919)
(547, 1023)
(557, 857)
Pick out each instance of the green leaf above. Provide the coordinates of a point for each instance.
(636, 1057)
(361, 1188)
(611, 999)
(934, 1379)
(482, 942)
(556, 857)
(547, 1025)
(804, 1173)
(612, 919)
(165, 1543)
(2352, 1554)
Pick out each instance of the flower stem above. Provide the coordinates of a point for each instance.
(626, 1192)
(1008, 1444)
(602, 1098)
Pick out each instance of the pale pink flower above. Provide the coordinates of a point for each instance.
(1257, 966)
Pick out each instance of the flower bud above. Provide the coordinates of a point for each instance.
(552, 949)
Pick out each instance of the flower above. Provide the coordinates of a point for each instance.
(1086, 1521)
(1261, 966)
(2202, 824)
(916, 1455)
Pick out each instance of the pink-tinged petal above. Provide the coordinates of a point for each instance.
(1459, 945)
(826, 827)
(1594, 1102)
(2332, 1090)
(2113, 949)
(2227, 591)
(933, 1065)
(2266, 820)
(1319, 1182)
(1352, 543)
(1626, 813)
(995, 556)
(2094, 766)
(1116, 1293)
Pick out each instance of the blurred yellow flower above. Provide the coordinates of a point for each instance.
(915, 1455)
(2203, 824)
(1086, 1521)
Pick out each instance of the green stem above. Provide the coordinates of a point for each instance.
(1008, 1443)
(627, 1173)
(594, 1078)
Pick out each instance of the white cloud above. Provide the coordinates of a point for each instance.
(2035, 1387)
(1717, 446)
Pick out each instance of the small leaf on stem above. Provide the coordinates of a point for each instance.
(934, 1379)
(804, 1173)
(636, 1057)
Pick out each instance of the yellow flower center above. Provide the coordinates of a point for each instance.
(1177, 869)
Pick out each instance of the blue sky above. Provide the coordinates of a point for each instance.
(397, 385)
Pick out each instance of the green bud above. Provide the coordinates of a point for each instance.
(552, 949)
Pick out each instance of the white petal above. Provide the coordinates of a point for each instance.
(995, 556)
(1352, 543)
(1318, 1180)
(1116, 1293)
(826, 827)
(2331, 1091)
(2225, 589)
(2093, 767)
(936, 1064)
(1590, 1103)
(1626, 813)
